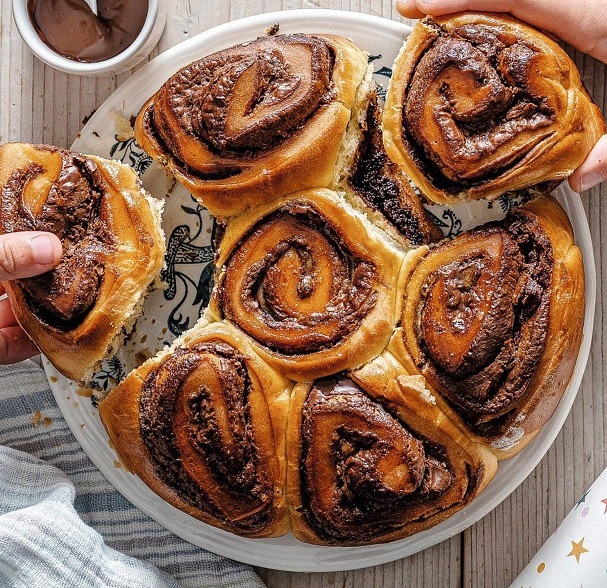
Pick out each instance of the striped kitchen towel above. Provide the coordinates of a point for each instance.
(62, 525)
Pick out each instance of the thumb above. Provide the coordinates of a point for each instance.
(28, 253)
(593, 170)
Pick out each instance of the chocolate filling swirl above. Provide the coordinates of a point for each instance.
(380, 184)
(292, 284)
(196, 423)
(473, 107)
(242, 100)
(483, 319)
(73, 211)
(363, 473)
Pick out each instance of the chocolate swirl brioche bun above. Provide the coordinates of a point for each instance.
(113, 250)
(493, 320)
(375, 185)
(311, 283)
(483, 104)
(371, 458)
(256, 121)
(202, 424)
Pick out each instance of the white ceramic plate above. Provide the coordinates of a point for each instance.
(188, 228)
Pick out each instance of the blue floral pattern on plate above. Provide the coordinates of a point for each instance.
(182, 249)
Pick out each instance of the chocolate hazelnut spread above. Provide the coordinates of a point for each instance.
(72, 210)
(195, 420)
(378, 181)
(72, 29)
(293, 285)
(354, 439)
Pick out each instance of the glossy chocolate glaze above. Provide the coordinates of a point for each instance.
(72, 29)
(483, 321)
(195, 421)
(276, 100)
(72, 211)
(361, 469)
(293, 285)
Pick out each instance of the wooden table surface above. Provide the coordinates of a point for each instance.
(41, 105)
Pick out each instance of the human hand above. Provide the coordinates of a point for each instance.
(22, 255)
(580, 24)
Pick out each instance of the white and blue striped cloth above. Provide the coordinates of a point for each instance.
(62, 525)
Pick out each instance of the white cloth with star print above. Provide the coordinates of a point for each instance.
(575, 555)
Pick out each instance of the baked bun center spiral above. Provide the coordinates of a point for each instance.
(360, 465)
(466, 316)
(483, 317)
(293, 284)
(252, 99)
(251, 96)
(195, 421)
(472, 102)
(72, 209)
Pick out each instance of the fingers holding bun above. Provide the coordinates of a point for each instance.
(483, 104)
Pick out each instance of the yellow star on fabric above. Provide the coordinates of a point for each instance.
(577, 549)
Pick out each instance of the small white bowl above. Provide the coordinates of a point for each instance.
(131, 56)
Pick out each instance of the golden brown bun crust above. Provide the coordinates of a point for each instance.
(214, 500)
(539, 134)
(228, 181)
(131, 247)
(404, 431)
(311, 283)
(550, 291)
